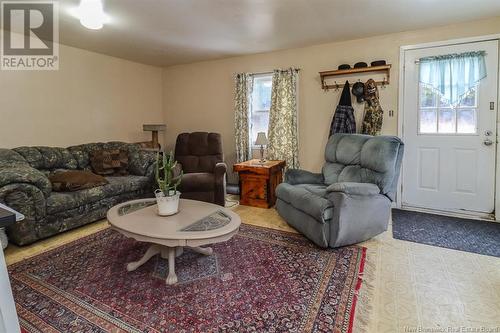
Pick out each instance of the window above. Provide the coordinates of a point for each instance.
(437, 116)
(261, 103)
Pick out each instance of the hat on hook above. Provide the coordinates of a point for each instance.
(344, 66)
(358, 90)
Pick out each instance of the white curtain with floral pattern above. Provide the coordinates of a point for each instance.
(283, 119)
(242, 97)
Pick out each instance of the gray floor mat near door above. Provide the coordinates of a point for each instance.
(450, 232)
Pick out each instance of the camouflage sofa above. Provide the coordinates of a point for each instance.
(25, 187)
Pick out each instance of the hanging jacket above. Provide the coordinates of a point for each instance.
(374, 115)
(343, 119)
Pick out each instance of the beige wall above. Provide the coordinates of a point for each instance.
(92, 97)
(199, 96)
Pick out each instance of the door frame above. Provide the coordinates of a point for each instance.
(401, 89)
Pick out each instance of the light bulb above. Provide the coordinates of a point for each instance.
(91, 14)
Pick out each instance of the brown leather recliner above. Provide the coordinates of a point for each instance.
(202, 160)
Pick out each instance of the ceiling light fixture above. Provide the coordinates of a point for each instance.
(91, 14)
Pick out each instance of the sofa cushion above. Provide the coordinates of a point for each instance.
(198, 151)
(298, 176)
(349, 149)
(319, 190)
(345, 148)
(354, 188)
(109, 162)
(60, 201)
(140, 162)
(48, 158)
(81, 153)
(9, 157)
(308, 199)
(331, 172)
(197, 182)
(75, 180)
(364, 159)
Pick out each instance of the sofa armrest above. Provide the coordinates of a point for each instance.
(220, 184)
(296, 176)
(357, 218)
(25, 174)
(354, 188)
(26, 199)
(220, 170)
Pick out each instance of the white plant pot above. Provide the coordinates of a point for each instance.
(167, 205)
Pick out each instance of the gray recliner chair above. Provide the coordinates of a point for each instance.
(350, 200)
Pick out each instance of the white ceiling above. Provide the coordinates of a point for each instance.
(168, 32)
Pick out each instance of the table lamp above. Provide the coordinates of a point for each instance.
(261, 141)
(154, 129)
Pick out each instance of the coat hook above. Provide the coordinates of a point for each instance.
(384, 82)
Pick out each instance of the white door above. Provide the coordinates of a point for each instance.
(449, 161)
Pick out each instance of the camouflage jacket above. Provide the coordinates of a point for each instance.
(374, 116)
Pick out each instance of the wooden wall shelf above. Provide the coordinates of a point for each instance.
(386, 69)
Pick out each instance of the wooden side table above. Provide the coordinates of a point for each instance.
(258, 182)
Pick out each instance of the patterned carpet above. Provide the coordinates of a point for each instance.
(261, 280)
(444, 231)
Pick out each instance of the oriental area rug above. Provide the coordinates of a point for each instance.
(261, 280)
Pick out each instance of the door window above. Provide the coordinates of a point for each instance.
(437, 116)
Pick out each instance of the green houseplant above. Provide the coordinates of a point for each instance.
(168, 177)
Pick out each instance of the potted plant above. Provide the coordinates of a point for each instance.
(167, 196)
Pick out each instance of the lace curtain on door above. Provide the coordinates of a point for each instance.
(453, 75)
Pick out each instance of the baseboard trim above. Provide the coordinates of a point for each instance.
(472, 216)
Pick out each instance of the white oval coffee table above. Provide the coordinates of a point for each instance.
(190, 227)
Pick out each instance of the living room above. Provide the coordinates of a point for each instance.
(277, 166)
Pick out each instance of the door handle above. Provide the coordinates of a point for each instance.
(487, 142)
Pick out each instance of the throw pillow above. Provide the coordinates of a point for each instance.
(110, 162)
(75, 180)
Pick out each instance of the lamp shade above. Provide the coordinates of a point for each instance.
(261, 139)
(153, 127)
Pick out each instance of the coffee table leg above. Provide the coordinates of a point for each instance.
(151, 252)
(172, 277)
(203, 250)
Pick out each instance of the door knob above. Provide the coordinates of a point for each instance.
(487, 142)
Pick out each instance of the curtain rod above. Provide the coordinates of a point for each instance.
(452, 55)
(261, 73)
(271, 71)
